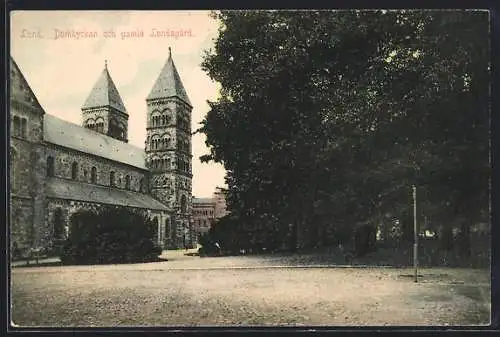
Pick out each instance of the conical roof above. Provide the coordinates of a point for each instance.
(168, 83)
(104, 93)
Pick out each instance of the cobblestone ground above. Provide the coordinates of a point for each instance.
(193, 291)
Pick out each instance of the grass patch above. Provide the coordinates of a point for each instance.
(40, 264)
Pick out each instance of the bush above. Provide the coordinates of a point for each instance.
(226, 233)
(110, 235)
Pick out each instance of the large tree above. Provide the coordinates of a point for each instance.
(335, 114)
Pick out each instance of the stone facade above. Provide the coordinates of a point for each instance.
(65, 160)
(203, 214)
(206, 211)
(51, 177)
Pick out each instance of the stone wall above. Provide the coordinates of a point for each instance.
(21, 174)
(64, 159)
(26, 184)
(21, 222)
(104, 115)
(203, 216)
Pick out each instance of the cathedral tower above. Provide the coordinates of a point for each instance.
(168, 151)
(103, 111)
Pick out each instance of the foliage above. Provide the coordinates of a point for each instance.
(326, 119)
(110, 235)
(223, 232)
(364, 240)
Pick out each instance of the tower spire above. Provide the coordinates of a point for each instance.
(169, 84)
(103, 110)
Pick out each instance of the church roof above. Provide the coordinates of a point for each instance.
(203, 201)
(74, 190)
(73, 136)
(104, 93)
(168, 83)
(20, 90)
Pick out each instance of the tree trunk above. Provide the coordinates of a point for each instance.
(465, 245)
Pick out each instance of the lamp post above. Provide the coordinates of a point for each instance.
(415, 231)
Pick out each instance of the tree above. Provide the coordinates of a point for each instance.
(110, 235)
(338, 113)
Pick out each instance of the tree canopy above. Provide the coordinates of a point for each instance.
(335, 114)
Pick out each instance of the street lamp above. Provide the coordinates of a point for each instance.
(415, 233)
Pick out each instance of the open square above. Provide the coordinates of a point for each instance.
(192, 291)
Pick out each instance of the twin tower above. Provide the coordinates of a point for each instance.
(168, 143)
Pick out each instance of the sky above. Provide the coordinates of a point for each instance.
(62, 54)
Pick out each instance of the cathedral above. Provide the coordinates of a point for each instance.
(58, 168)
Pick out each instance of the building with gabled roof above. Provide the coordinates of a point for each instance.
(57, 167)
(206, 211)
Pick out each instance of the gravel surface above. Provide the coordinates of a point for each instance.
(193, 291)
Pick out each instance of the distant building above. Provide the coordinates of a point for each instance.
(206, 211)
(203, 214)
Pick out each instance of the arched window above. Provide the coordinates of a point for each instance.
(89, 123)
(127, 182)
(112, 179)
(155, 163)
(155, 118)
(155, 142)
(17, 126)
(50, 166)
(155, 224)
(23, 127)
(58, 224)
(183, 204)
(93, 175)
(74, 171)
(165, 141)
(167, 163)
(142, 185)
(167, 227)
(99, 124)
